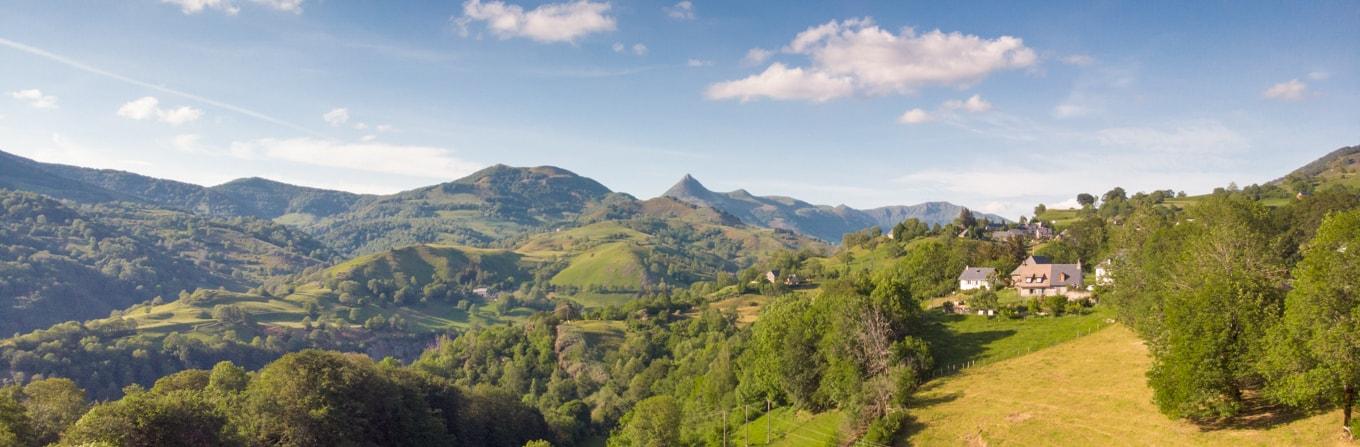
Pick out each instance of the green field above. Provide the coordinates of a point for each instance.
(788, 428)
(1089, 391)
(615, 265)
(962, 339)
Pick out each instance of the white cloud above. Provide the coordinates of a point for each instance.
(371, 156)
(336, 117)
(875, 61)
(550, 22)
(973, 104)
(618, 47)
(383, 128)
(914, 116)
(1319, 75)
(780, 82)
(1080, 60)
(293, 6)
(197, 6)
(140, 108)
(229, 7)
(148, 107)
(639, 49)
(756, 56)
(180, 115)
(35, 98)
(368, 138)
(1293, 90)
(698, 63)
(681, 11)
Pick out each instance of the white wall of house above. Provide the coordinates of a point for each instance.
(973, 285)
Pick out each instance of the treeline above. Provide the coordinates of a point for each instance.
(1238, 301)
(61, 262)
(307, 398)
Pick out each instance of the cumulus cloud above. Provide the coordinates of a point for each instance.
(35, 98)
(681, 11)
(1069, 110)
(550, 22)
(756, 56)
(973, 104)
(781, 82)
(695, 63)
(1319, 75)
(637, 49)
(148, 107)
(914, 116)
(336, 117)
(371, 156)
(1292, 90)
(875, 61)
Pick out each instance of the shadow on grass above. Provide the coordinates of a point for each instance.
(1258, 413)
(951, 348)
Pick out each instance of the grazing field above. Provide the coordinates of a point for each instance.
(1060, 217)
(960, 339)
(1089, 391)
(788, 428)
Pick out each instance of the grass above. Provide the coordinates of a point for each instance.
(602, 299)
(615, 265)
(1060, 217)
(960, 339)
(1089, 391)
(746, 307)
(789, 428)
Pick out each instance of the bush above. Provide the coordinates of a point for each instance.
(884, 429)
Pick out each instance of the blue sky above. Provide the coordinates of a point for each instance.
(994, 105)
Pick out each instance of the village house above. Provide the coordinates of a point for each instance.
(974, 278)
(1039, 276)
(1103, 273)
(1034, 231)
(773, 277)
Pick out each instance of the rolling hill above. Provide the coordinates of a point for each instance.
(1341, 166)
(824, 222)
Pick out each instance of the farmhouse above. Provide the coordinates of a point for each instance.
(1039, 276)
(974, 278)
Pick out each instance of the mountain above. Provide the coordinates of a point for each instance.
(61, 262)
(823, 222)
(252, 197)
(490, 206)
(1339, 166)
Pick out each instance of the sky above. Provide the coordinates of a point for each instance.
(998, 106)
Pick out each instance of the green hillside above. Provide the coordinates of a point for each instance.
(613, 266)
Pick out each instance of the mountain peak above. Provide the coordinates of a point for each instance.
(688, 187)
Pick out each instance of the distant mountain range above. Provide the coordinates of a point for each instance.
(821, 221)
(487, 206)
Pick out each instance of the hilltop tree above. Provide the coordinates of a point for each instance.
(1314, 355)
(966, 219)
(1086, 200)
(53, 404)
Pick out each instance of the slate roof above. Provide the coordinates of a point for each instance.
(976, 273)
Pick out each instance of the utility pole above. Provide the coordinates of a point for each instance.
(746, 422)
(768, 416)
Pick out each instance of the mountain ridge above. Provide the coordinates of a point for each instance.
(825, 222)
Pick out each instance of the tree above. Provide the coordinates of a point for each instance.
(1038, 210)
(1314, 354)
(53, 404)
(15, 427)
(966, 220)
(653, 422)
(144, 418)
(1226, 290)
(987, 300)
(1086, 200)
(1114, 195)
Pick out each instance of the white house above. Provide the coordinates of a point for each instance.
(974, 278)
(1103, 273)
